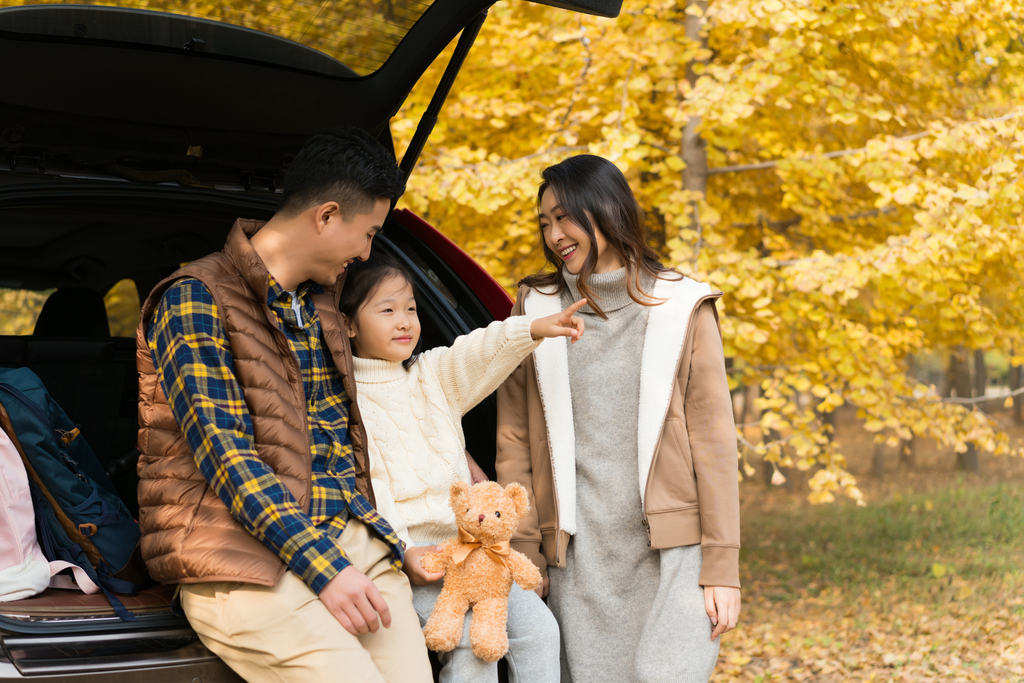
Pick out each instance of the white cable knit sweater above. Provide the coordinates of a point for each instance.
(413, 420)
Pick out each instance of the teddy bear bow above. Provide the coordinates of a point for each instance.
(496, 551)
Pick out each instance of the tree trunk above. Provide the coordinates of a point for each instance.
(878, 461)
(980, 375)
(694, 148)
(961, 370)
(960, 373)
(908, 456)
(906, 451)
(828, 422)
(969, 461)
(1015, 382)
(743, 391)
(951, 371)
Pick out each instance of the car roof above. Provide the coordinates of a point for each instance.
(211, 93)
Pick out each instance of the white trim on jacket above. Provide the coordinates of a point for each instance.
(663, 345)
(552, 361)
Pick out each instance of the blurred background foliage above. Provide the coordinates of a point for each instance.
(849, 175)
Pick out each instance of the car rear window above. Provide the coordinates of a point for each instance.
(20, 309)
(361, 34)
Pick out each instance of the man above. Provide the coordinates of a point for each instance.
(254, 492)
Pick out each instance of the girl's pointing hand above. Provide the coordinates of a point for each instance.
(564, 324)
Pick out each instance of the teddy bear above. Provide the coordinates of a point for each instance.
(479, 567)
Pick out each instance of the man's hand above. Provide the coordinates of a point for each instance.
(355, 602)
(476, 474)
(564, 324)
(723, 606)
(542, 591)
(413, 566)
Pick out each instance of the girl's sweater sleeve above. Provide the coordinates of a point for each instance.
(478, 362)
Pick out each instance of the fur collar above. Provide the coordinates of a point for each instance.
(552, 361)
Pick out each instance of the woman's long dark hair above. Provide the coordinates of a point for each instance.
(362, 278)
(588, 183)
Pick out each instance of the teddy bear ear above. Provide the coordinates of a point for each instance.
(459, 495)
(517, 494)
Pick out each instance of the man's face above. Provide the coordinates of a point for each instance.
(342, 241)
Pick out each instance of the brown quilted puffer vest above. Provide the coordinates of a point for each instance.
(188, 534)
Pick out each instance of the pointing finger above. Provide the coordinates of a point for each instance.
(575, 307)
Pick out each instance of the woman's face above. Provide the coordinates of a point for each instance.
(386, 326)
(570, 242)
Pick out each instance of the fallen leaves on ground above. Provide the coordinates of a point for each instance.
(925, 583)
(832, 635)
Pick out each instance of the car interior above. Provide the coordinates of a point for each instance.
(83, 252)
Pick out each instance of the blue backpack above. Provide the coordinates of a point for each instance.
(79, 516)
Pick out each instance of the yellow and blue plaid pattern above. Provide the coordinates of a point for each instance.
(196, 369)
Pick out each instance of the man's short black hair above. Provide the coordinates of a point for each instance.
(344, 165)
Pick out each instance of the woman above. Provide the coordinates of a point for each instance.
(626, 444)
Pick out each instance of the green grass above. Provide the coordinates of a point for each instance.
(973, 532)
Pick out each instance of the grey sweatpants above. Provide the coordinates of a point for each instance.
(533, 644)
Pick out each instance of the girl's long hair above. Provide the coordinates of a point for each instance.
(361, 280)
(591, 184)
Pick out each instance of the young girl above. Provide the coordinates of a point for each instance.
(412, 406)
(626, 444)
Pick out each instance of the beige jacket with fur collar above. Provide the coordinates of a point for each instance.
(686, 437)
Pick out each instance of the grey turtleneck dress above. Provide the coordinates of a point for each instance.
(626, 612)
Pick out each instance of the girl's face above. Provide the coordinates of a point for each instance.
(570, 242)
(386, 326)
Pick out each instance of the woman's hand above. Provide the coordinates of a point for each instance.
(413, 565)
(723, 607)
(476, 474)
(564, 324)
(542, 590)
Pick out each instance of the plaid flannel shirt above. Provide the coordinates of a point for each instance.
(193, 357)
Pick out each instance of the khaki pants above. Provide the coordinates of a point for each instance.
(285, 634)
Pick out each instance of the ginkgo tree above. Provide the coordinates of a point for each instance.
(849, 174)
(861, 202)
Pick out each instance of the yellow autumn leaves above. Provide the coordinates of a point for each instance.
(863, 202)
(864, 193)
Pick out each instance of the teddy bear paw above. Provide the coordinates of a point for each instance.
(532, 581)
(441, 640)
(432, 563)
(491, 649)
